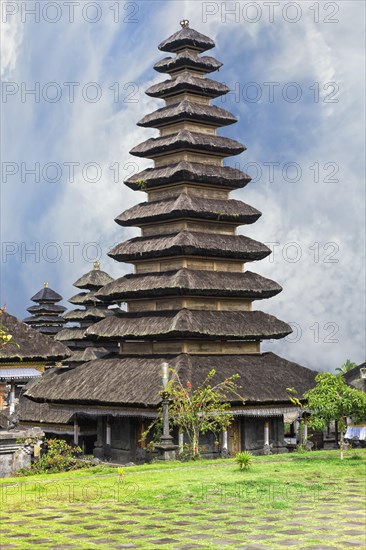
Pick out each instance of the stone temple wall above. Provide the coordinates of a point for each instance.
(17, 449)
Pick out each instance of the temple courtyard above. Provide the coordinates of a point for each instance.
(311, 500)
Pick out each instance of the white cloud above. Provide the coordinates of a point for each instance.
(11, 33)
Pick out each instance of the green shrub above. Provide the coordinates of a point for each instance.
(58, 456)
(244, 459)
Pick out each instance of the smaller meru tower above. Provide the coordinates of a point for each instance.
(191, 296)
(46, 315)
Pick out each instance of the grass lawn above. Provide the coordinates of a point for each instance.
(311, 501)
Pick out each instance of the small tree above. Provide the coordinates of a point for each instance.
(332, 400)
(203, 409)
(347, 366)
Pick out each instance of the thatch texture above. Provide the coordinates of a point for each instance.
(32, 345)
(187, 60)
(186, 282)
(137, 380)
(187, 140)
(46, 295)
(187, 323)
(93, 280)
(186, 38)
(191, 172)
(50, 330)
(90, 314)
(187, 243)
(84, 298)
(69, 334)
(188, 111)
(186, 82)
(88, 354)
(43, 319)
(46, 308)
(186, 206)
(42, 413)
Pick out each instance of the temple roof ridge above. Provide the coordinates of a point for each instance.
(186, 38)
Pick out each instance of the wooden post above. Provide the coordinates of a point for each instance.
(76, 431)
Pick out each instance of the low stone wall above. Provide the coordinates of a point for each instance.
(17, 449)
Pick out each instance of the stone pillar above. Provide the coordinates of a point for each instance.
(181, 441)
(225, 445)
(108, 433)
(305, 431)
(266, 432)
(266, 447)
(166, 448)
(12, 398)
(76, 431)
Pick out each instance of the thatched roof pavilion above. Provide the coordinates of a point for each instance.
(190, 297)
(46, 315)
(26, 357)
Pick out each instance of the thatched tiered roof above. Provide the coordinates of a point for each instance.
(189, 112)
(191, 141)
(185, 206)
(31, 345)
(75, 336)
(186, 82)
(46, 315)
(186, 323)
(189, 282)
(191, 172)
(187, 60)
(186, 243)
(94, 279)
(135, 380)
(186, 38)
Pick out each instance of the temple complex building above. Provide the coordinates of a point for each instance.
(24, 359)
(192, 296)
(46, 314)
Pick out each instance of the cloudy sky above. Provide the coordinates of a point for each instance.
(73, 81)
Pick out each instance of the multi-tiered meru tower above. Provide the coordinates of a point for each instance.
(192, 290)
(46, 314)
(190, 298)
(91, 311)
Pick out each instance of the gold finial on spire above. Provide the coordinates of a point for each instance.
(45, 284)
(184, 23)
(96, 265)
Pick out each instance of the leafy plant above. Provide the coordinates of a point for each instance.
(347, 366)
(59, 456)
(244, 459)
(142, 184)
(198, 410)
(332, 399)
(121, 474)
(202, 409)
